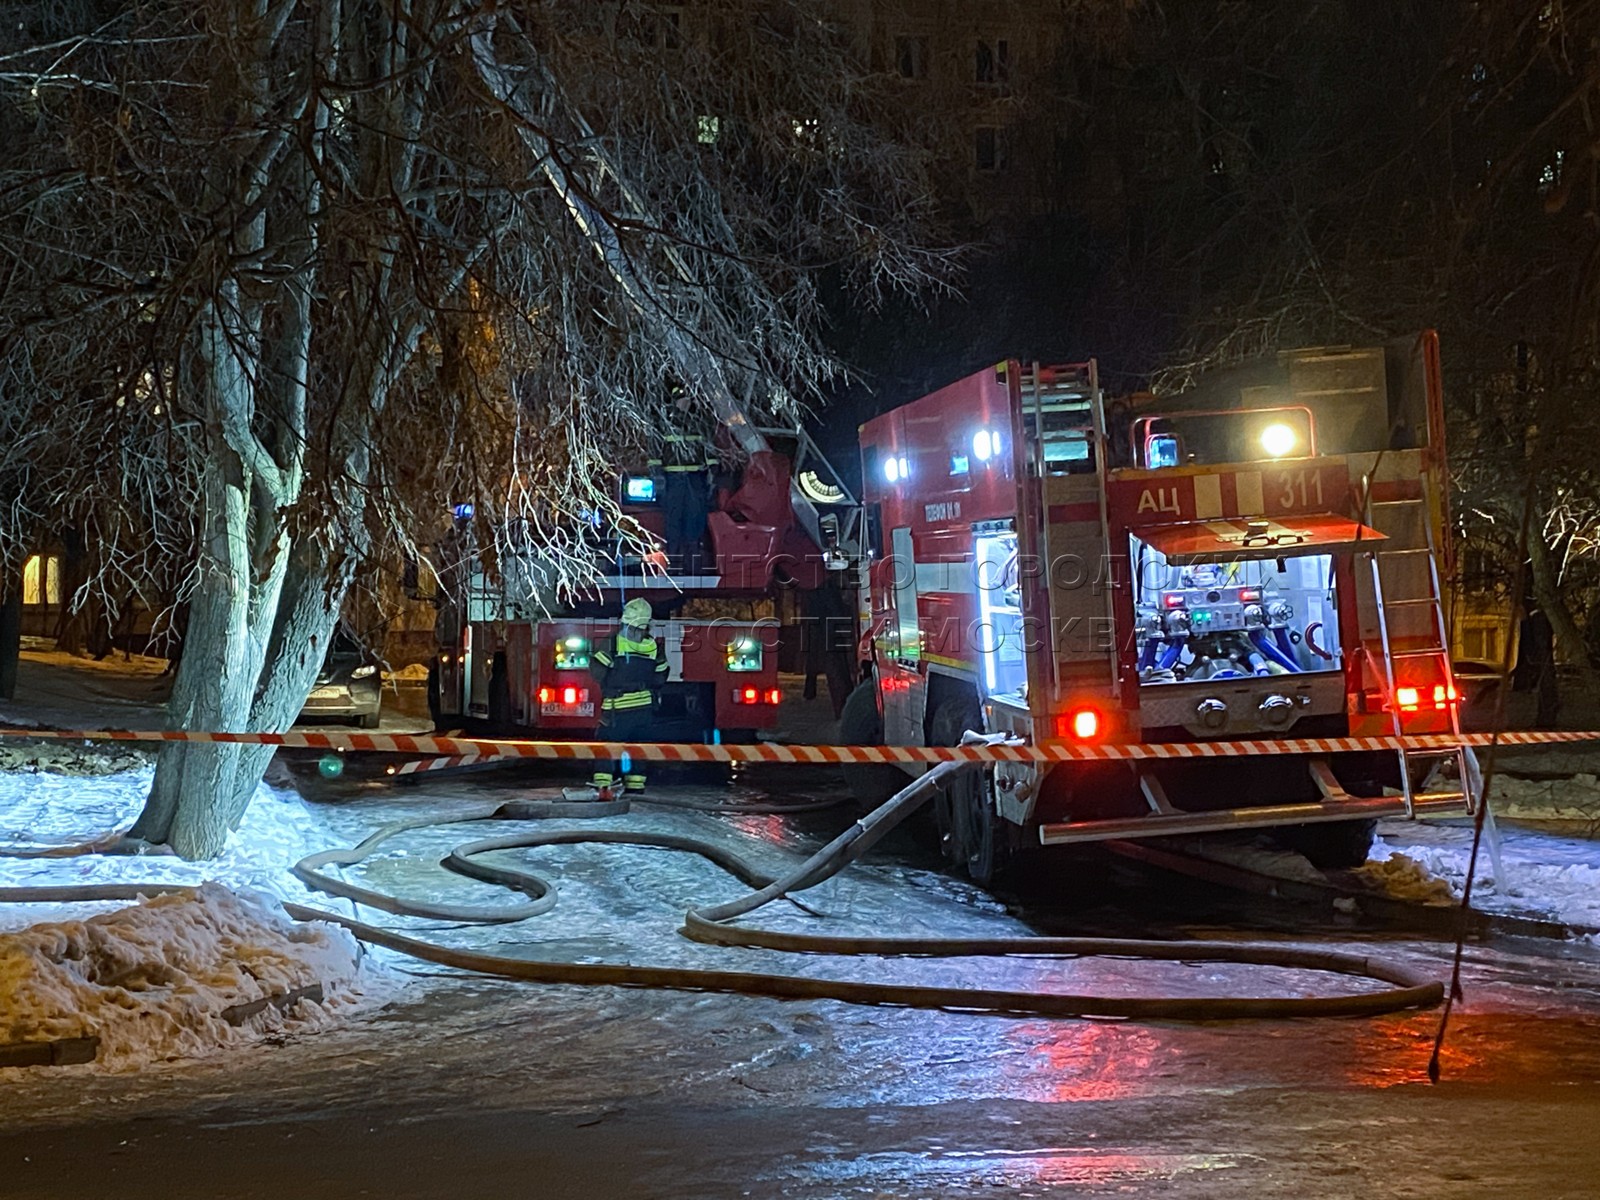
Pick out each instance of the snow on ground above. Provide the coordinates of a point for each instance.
(1545, 875)
(45, 809)
(152, 981)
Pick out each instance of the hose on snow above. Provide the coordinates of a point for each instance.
(711, 924)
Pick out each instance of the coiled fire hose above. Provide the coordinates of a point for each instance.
(1407, 989)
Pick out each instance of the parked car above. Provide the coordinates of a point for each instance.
(349, 687)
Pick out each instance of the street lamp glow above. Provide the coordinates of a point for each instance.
(1278, 440)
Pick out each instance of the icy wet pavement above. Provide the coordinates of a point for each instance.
(467, 1086)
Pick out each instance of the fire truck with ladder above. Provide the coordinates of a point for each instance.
(514, 657)
(1257, 558)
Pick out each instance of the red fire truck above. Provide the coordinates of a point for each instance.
(514, 658)
(1257, 558)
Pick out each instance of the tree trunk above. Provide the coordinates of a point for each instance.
(1568, 637)
(313, 593)
(72, 627)
(10, 636)
(215, 682)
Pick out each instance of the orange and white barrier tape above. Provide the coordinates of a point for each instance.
(417, 766)
(766, 752)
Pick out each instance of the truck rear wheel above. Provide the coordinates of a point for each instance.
(860, 724)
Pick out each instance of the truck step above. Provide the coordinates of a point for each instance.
(1167, 825)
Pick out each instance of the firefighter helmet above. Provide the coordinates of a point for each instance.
(636, 612)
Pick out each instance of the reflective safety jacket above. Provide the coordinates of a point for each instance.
(685, 452)
(629, 672)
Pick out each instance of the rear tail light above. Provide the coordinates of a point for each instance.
(750, 695)
(1082, 724)
(1444, 695)
(567, 697)
(1408, 699)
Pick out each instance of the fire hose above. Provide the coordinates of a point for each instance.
(711, 925)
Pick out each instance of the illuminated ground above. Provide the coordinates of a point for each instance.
(466, 1087)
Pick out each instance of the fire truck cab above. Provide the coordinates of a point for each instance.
(1257, 558)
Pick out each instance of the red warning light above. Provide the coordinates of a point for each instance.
(1082, 723)
(1408, 698)
(569, 695)
(774, 696)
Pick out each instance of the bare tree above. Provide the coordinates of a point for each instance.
(316, 268)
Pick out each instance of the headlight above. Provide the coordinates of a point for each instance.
(364, 672)
(1278, 440)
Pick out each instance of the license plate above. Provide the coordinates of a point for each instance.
(327, 693)
(566, 710)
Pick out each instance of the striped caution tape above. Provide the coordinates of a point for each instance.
(764, 752)
(417, 766)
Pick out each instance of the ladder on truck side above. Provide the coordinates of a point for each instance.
(1407, 525)
(1065, 406)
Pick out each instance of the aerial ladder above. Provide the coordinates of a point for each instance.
(581, 170)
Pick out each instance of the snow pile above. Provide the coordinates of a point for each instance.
(1545, 876)
(1401, 877)
(152, 981)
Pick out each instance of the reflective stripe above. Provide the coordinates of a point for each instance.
(686, 452)
(631, 700)
(604, 659)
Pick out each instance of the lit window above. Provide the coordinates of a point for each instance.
(32, 580)
(41, 579)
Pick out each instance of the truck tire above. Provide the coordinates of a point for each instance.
(1333, 845)
(860, 724)
(971, 833)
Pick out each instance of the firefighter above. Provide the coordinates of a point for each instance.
(686, 501)
(630, 668)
